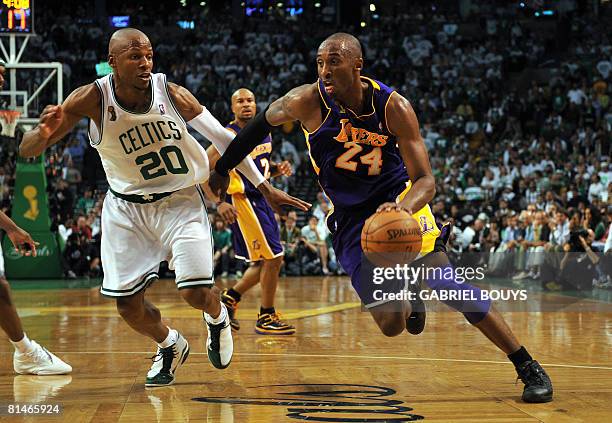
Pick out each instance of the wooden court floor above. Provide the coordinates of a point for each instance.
(338, 367)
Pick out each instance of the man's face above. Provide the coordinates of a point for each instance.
(243, 104)
(336, 68)
(560, 218)
(290, 222)
(134, 63)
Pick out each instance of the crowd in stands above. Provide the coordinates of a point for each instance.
(515, 113)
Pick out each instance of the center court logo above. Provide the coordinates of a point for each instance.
(327, 402)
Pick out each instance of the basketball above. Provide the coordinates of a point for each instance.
(390, 237)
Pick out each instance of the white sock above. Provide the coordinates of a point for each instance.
(24, 345)
(220, 318)
(170, 339)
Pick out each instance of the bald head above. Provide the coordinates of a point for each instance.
(124, 39)
(346, 44)
(242, 92)
(243, 105)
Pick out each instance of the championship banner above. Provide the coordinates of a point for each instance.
(31, 212)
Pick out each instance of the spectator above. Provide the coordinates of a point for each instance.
(290, 238)
(315, 242)
(222, 240)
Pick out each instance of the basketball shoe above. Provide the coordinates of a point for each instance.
(538, 387)
(166, 362)
(232, 306)
(219, 345)
(415, 323)
(271, 324)
(39, 361)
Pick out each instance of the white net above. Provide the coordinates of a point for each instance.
(8, 120)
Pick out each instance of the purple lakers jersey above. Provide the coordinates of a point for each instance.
(240, 184)
(355, 157)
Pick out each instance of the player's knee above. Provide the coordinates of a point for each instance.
(391, 326)
(5, 290)
(275, 262)
(201, 298)
(129, 309)
(392, 329)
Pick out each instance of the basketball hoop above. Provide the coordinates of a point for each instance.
(8, 119)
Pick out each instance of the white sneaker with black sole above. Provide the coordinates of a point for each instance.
(39, 361)
(219, 345)
(166, 362)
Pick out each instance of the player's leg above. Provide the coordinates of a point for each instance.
(185, 230)
(10, 322)
(269, 281)
(538, 387)
(29, 357)
(231, 297)
(391, 323)
(131, 254)
(142, 316)
(268, 320)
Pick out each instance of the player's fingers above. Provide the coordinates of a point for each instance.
(296, 202)
(229, 217)
(31, 246)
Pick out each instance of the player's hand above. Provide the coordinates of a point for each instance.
(227, 212)
(284, 168)
(218, 184)
(22, 241)
(277, 198)
(50, 120)
(392, 206)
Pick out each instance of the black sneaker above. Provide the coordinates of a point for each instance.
(232, 306)
(271, 324)
(538, 387)
(166, 362)
(415, 323)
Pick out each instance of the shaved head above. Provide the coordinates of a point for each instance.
(346, 44)
(125, 39)
(243, 105)
(242, 92)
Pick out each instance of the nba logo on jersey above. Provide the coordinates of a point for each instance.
(111, 112)
(162, 110)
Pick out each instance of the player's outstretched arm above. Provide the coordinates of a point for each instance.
(58, 120)
(403, 123)
(200, 119)
(285, 109)
(22, 241)
(295, 105)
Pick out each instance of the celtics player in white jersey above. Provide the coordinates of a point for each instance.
(154, 210)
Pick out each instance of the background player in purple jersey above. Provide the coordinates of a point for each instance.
(255, 233)
(357, 165)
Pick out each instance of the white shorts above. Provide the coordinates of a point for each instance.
(137, 237)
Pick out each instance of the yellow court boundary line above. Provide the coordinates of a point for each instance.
(338, 356)
(92, 310)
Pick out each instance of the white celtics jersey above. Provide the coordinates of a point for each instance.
(149, 152)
